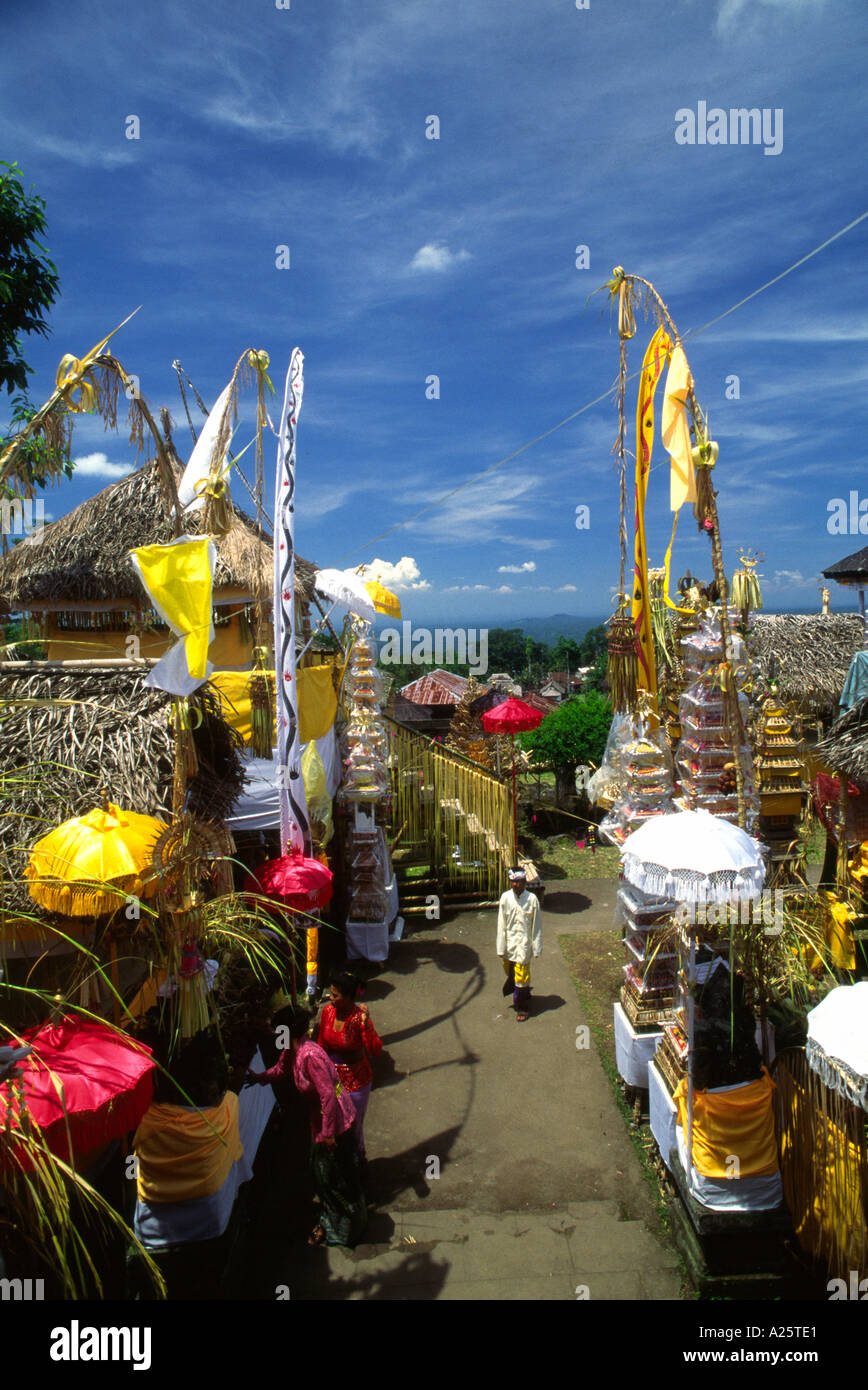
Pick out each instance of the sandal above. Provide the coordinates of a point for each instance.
(317, 1236)
(521, 1018)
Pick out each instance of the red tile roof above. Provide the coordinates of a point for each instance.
(437, 688)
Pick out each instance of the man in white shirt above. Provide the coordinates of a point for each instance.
(519, 938)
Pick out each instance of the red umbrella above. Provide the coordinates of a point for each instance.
(84, 1084)
(298, 882)
(512, 717)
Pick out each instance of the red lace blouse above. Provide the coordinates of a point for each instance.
(351, 1047)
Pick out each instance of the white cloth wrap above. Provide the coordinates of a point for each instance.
(633, 1051)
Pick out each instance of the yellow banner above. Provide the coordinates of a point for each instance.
(652, 369)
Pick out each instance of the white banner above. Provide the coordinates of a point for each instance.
(294, 824)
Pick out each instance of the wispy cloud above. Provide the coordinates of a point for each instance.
(527, 568)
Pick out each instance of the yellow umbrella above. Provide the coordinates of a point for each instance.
(385, 601)
(91, 864)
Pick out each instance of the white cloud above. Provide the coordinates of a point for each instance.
(794, 579)
(567, 589)
(527, 568)
(401, 577)
(434, 256)
(97, 466)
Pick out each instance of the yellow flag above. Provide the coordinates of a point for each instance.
(179, 579)
(675, 431)
(652, 369)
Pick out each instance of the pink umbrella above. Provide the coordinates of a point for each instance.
(295, 880)
(83, 1085)
(512, 717)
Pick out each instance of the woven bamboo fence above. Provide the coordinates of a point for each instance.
(454, 812)
(823, 1141)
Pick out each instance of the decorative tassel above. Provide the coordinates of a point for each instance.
(622, 668)
(746, 594)
(261, 707)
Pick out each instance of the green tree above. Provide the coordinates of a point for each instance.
(29, 285)
(573, 734)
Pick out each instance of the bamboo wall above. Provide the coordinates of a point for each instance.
(441, 800)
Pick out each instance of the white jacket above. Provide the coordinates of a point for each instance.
(519, 930)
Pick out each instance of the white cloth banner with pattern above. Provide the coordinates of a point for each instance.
(294, 824)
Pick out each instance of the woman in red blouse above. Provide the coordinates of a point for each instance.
(350, 1039)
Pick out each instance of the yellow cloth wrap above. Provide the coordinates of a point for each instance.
(179, 581)
(652, 369)
(317, 701)
(319, 803)
(233, 687)
(822, 1168)
(675, 431)
(522, 972)
(729, 1124)
(180, 1156)
(312, 949)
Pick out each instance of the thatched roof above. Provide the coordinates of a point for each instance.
(99, 727)
(809, 656)
(845, 747)
(85, 555)
(851, 569)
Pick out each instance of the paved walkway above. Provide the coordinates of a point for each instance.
(499, 1165)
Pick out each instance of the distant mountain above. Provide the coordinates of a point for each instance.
(548, 630)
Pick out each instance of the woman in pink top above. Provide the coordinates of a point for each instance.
(334, 1150)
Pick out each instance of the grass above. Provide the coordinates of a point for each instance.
(594, 960)
(559, 856)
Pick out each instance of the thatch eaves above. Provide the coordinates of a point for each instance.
(84, 556)
(808, 655)
(99, 727)
(845, 747)
(851, 569)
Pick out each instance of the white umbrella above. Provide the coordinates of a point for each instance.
(345, 587)
(837, 1046)
(693, 857)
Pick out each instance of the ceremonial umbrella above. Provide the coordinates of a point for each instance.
(91, 864)
(385, 601)
(82, 1085)
(693, 857)
(512, 717)
(298, 883)
(295, 880)
(345, 587)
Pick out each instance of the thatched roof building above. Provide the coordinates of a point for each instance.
(808, 655)
(845, 747)
(65, 735)
(852, 570)
(84, 557)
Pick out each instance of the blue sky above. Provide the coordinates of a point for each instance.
(409, 257)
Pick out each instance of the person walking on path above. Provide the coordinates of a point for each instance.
(519, 939)
(350, 1039)
(335, 1163)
